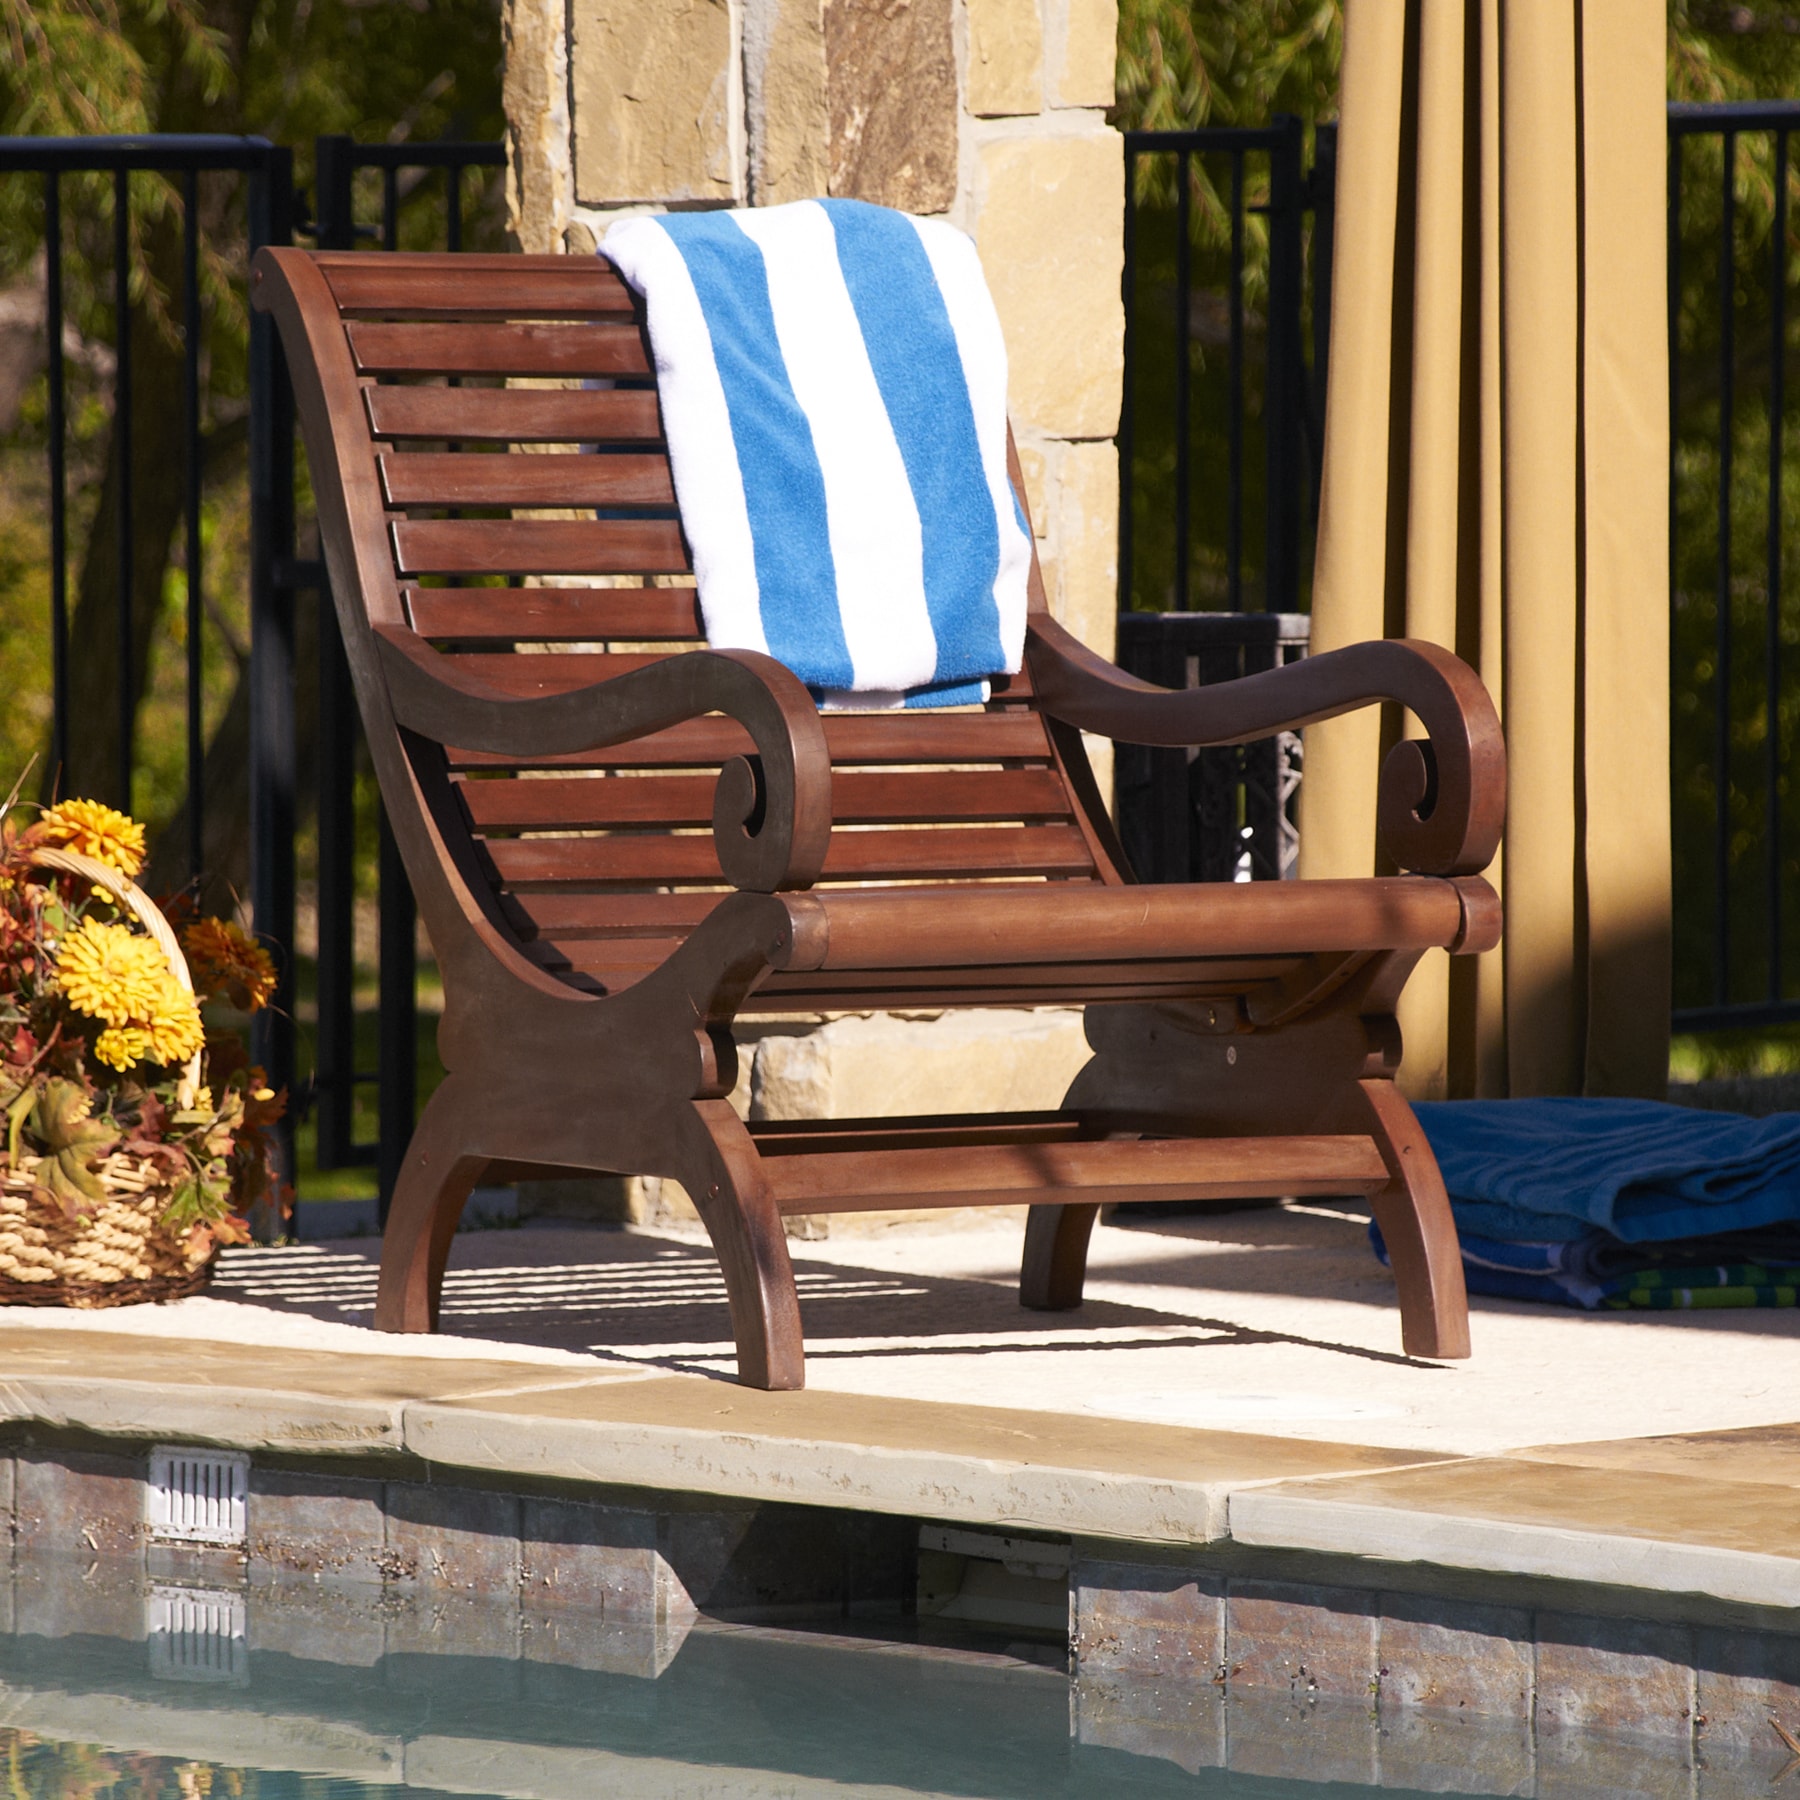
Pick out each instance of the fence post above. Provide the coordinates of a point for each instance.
(1282, 393)
(272, 654)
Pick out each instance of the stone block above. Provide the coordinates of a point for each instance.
(880, 1066)
(313, 1527)
(1290, 1740)
(1454, 1655)
(1598, 1765)
(78, 1503)
(1742, 1680)
(534, 91)
(602, 1559)
(317, 1622)
(1454, 1753)
(1614, 1676)
(1317, 1643)
(1176, 1721)
(1006, 58)
(657, 103)
(1049, 222)
(1139, 1619)
(891, 85)
(1080, 554)
(452, 1540)
(1081, 50)
(786, 100)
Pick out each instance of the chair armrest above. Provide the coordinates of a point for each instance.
(771, 812)
(1441, 801)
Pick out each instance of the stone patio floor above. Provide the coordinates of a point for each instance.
(1235, 1376)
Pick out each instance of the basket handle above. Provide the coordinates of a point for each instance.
(149, 915)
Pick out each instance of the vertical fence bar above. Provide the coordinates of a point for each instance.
(1128, 295)
(190, 325)
(1234, 502)
(1184, 301)
(127, 696)
(390, 208)
(334, 1048)
(1322, 196)
(59, 523)
(1722, 620)
(272, 648)
(1675, 143)
(1772, 652)
(453, 207)
(1281, 380)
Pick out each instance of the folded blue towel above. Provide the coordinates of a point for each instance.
(833, 383)
(1536, 1171)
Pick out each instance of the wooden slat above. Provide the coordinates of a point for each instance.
(857, 798)
(548, 673)
(543, 480)
(515, 286)
(516, 415)
(572, 918)
(1149, 1169)
(872, 855)
(911, 737)
(572, 351)
(807, 1137)
(538, 547)
(552, 615)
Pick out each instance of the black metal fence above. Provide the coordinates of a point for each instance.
(1228, 241)
(282, 585)
(1734, 608)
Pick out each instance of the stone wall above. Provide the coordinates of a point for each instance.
(989, 112)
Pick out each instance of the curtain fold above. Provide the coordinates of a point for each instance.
(1496, 470)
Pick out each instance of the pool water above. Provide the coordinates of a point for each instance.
(163, 1693)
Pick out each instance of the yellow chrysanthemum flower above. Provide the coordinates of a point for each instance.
(122, 1047)
(110, 973)
(91, 829)
(173, 1024)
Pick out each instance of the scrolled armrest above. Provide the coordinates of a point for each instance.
(771, 813)
(1441, 802)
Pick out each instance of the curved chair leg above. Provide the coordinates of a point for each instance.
(1055, 1262)
(744, 1224)
(435, 1182)
(1413, 1212)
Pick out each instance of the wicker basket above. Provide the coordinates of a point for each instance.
(119, 1253)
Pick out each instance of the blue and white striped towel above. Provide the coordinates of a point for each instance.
(833, 384)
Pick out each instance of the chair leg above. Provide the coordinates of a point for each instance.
(1413, 1212)
(1054, 1268)
(435, 1182)
(744, 1223)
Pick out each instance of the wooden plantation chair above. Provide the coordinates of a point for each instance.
(614, 850)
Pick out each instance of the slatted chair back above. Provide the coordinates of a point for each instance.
(510, 433)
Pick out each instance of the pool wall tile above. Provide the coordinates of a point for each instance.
(1614, 1675)
(324, 1622)
(564, 1643)
(1148, 1619)
(601, 1558)
(1315, 1642)
(1743, 1679)
(68, 1596)
(80, 1502)
(1455, 1655)
(1591, 1765)
(1179, 1720)
(314, 1527)
(1439, 1752)
(7, 1474)
(429, 1633)
(1738, 1772)
(1301, 1740)
(452, 1540)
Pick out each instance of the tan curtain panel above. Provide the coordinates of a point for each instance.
(1496, 480)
